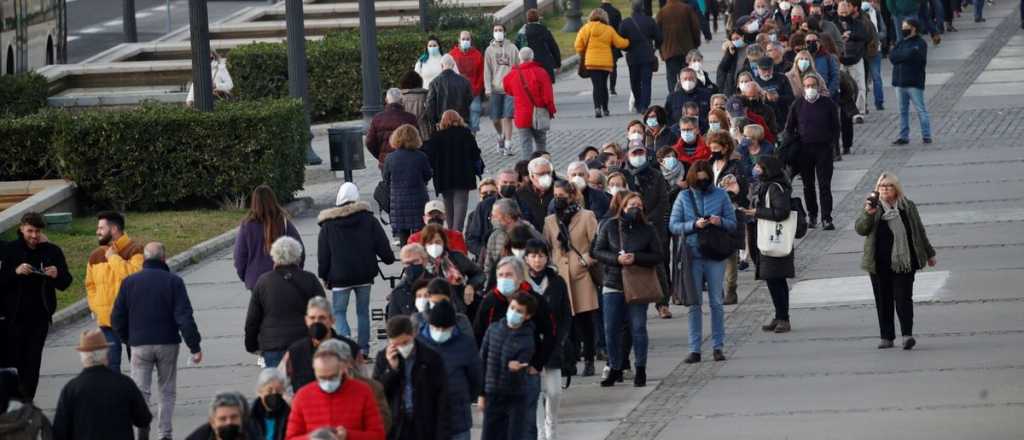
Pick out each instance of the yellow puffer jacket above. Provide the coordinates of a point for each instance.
(103, 276)
(597, 38)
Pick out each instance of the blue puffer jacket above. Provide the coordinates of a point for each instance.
(502, 344)
(407, 171)
(465, 374)
(685, 214)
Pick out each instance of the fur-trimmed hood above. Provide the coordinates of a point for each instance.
(342, 211)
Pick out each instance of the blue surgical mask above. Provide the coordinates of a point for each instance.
(714, 126)
(756, 172)
(514, 318)
(652, 122)
(329, 386)
(689, 136)
(507, 286)
(738, 43)
(803, 64)
(670, 163)
(866, 7)
(465, 44)
(434, 51)
(440, 335)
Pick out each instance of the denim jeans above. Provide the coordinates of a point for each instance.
(475, 109)
(874, 66)
(272, 358)
(615, 309)
(529, 415)
(340, 301)
(114, 352)
(916, 96)
(712, 272)
(640, 76)
(979, 5)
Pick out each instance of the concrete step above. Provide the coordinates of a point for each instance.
(278, 29)
(381, 8)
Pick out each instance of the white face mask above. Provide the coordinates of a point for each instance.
(689, 85)
(405, 350)
(422, 304)
(696, 65)
(746, 87)
(811, 93)
(440, 335)
(753, 27)
(435, 250)
(544, 181)
(519, 252)
(499, 36)
(613, 190)
(785, 6)
(329, 386)
(637, 161)
(634, 136)
(579, 182)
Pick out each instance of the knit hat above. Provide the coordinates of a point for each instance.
(442, 315)
(348, 192)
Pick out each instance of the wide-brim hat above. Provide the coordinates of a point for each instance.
(92, 340)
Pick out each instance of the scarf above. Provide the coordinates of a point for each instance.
(672, 176)
(538, 284)
(564, 220)
(446, 268)
(900, 245)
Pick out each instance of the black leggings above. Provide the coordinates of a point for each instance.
(894, 291)
(599, 79)
(583, 324)
(779, 290)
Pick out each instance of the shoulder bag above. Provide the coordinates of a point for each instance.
(640, 284)
(775, 239)
(712, 241)
(581, 69)
(594, 268)
(541, 117)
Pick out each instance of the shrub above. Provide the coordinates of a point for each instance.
(26, 147)
(22, 94)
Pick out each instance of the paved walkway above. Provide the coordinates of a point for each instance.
(825, 379)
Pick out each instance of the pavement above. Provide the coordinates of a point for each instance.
(823, 380)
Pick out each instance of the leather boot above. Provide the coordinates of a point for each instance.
(640, 380)
(770, 327)
(731, 298)
(782, 327)
(613, 377)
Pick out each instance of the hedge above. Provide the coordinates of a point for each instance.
(260, 70)
(158, 156)
(22, 94)
(26, 148)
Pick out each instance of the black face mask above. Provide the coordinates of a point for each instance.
(812, 47)
(318, 331)
(631, 215)
(414, 271)
(905, 32)
(436, 220)
(229, 432)
(273, 402)
(508, 191)
(704, 184)
(561, 203)
(717, 155)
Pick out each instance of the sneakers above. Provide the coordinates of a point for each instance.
(900, 141)
(597, 113)
(605, 372)
(908, 343)
(926, 140)
(664, 312)
(719, 356)
(693, 358)
(858, 119)
(501, 149)
(782, 327)
(770, 327)
(827, 225)
(886, 343)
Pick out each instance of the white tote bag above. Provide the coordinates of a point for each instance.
(775, 239)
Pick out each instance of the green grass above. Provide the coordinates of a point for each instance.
(567, 40)
(178, 230)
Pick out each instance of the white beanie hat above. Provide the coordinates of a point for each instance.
(347, 193)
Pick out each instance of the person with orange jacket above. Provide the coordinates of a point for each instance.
(115, 259)
(594, 43)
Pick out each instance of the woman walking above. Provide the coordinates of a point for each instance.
(594, 43)
(701, 207)
(625, 240)
(772, 203)
(455, 158)
(266, 222)
(571, 230)
(407, 171)
(896, 246)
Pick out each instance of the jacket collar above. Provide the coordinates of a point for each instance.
(342, 211)
(156, 264)
(122, 243)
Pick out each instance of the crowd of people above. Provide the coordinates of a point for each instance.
(500, 305)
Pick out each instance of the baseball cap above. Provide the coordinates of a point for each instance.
(434, 205)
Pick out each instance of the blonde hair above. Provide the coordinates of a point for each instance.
(405, 137)
(451, 118)
(754, 131)
(892, 180)
(599, 15)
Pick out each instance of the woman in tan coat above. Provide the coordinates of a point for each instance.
(594, 43)
(571, 231)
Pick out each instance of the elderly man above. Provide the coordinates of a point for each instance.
(688, 91)
(531, 88)
(434, 213)
(506, 216)
(478, 235)
(335, 401)
(99, 403)
(385, 122)
(415, 384)
(228, 420)
(320, 323)
(595, 200)
(151, 315)
(470, 62)
(538, 192)
(449, 91)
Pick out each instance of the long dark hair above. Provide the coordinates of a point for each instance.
(619, 203)
(264, 210)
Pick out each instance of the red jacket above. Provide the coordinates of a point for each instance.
(456, 241)
(471, 66)
(702, 152)
(539, 88)
(352, 407)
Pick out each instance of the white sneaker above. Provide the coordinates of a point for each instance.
(605, 372)
(501, 149)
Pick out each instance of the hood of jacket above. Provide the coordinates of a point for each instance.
(15, 420)
(342, 212)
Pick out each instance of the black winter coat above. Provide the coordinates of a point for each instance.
(536, 203)
(30, 298)
(430, 409)
(100, 404)
(909, 59)
(557, 296)
(407, 171)
(258, 415)
(653, 189)
(641, 30)
(855, 46)
(349, 243)
(771, 180)
(640, 239)
(545, 49)
(277, 309)
(454, 156)
(448, 91)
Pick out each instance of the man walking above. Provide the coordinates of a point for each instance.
(415, 383)
(680, 29)
(115, 259)
(152, 308)
(99, 403)
(470, 63)
(378, 134)
(31, 270)
(449, 91)
(499, 58)
(531, 89)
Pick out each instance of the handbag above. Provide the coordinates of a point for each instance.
(775, 239)
(712, 241)
(581, 69)
(541, 117)
(683, 290)
(640, 285)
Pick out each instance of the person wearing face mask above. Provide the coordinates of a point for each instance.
(803, 66)
(909, 58)
(704, 205)
(644, 36)
(687, 92)
(718, 120)
(463, 369)
(616, 184)
(269, 410)
(507, 218)
(481, 229)
(415, 383)
(428, 66)
(337, 400)
(754, 101)
(753, 147)
(486, 189)
(816, 121)
(672, 170)
(531, 88)
(691, 146)
(644, 178)
(429, 293)
(657, 129)
(434, 214)
(229, 420)
(695, 61)
(738, 110)
(320, 329)
(825, 63)
(734, 56)
(594, 200)
(499, 58)
(469, 62)
(349, 243)
(680, 25)
(505, 352)
(401, 300)
(777, 91)
(465, 276)
(538, 192)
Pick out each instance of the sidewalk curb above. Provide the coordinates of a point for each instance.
(194, 255)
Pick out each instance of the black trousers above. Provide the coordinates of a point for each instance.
(503, 416)
(816, 160)
(26, 353)
(779, 289)
(583, 327)
(599, 79)
(894, 290)
(640, 76)
(672, 68)
(846, 128)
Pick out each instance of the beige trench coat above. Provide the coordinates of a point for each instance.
(582, 230)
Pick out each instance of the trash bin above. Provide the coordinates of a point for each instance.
(58, 221)
(346, 145)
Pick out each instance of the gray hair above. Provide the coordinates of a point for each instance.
(517, 264)
(447, 62)
(537, 163)
(268, 375)
(508, 207)
(319, 303)
(323, 434)
(694, 55)
(154, 250)
(508, 171)
(93, 358)
(229, 399)
(286, 251)
(393, 96)
(465, 34)
(337, 348)
(525, 55)
(579, 164)
(778, 45)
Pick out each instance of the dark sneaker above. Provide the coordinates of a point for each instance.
(783, 327)
(909, 343)
(693, 358)
(900, 142)
(719, 356)
(744, 265)
(927, 140)
(827, 225)
(886, 343)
